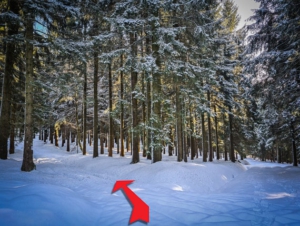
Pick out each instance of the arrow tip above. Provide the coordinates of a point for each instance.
(121, 184)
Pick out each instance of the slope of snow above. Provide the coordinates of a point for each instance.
(72, 189)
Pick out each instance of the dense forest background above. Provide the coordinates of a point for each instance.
(151, 76)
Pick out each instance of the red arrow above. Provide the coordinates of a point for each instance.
(140, 210)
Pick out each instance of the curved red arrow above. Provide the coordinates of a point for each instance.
(140, 210)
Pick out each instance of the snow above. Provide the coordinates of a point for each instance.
(72, 189)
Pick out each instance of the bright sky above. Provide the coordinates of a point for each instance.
(245, 11)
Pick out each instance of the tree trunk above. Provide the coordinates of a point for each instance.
(209, 130)
(179, 126)
(279, 158)
(225, 147)
(56, 136)
(143, 104)
(84, 109)
(148, 96)
(193, 144)
(204, 147)
(12, 139)
(101, 138)
(72, 136)
(295, 160)
(118, 146)
(78, 135)
(156, 92)
(144, 118)
(111, 133)
(121, 111)
(232, 158)
(45, 135)
(12, 130)
(217, 140)
(7, 83)
(51, 134)
(63, 134)
(95, 126)
(134, 106)
(68, 138)
(170, 147)
(91, 138)
(28, 164)
(127, 142)
(185, 146)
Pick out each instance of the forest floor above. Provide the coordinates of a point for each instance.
(71, 189)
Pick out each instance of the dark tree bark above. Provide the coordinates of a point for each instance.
(91, 138)
(225, 147)
(170, 147)
(28, 164)
(5, 121)
(134, 106)
(295, 160)
(68, 138)
(95, 126)
(118, 145)
(279, 160)
(84, 109)
(121, 110)
(179, 126)
(72, 136)
(209, 130)
(102, 138)
(148, 112)
(128, 141)
(143, 104)
(185, 145)
(204, 141)
(63, 134)
(45, 135)
(56, 136)
(216, 130)
(78, 134)
(232, 157)
(51, 133)
(193, 143)
(12, 140)
(12, 130)
(111, 132)
(156, 92)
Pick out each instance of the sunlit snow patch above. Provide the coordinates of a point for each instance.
(177, 188)
(279, 195)
(195, 164)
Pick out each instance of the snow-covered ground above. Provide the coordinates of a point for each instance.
(72, 189)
